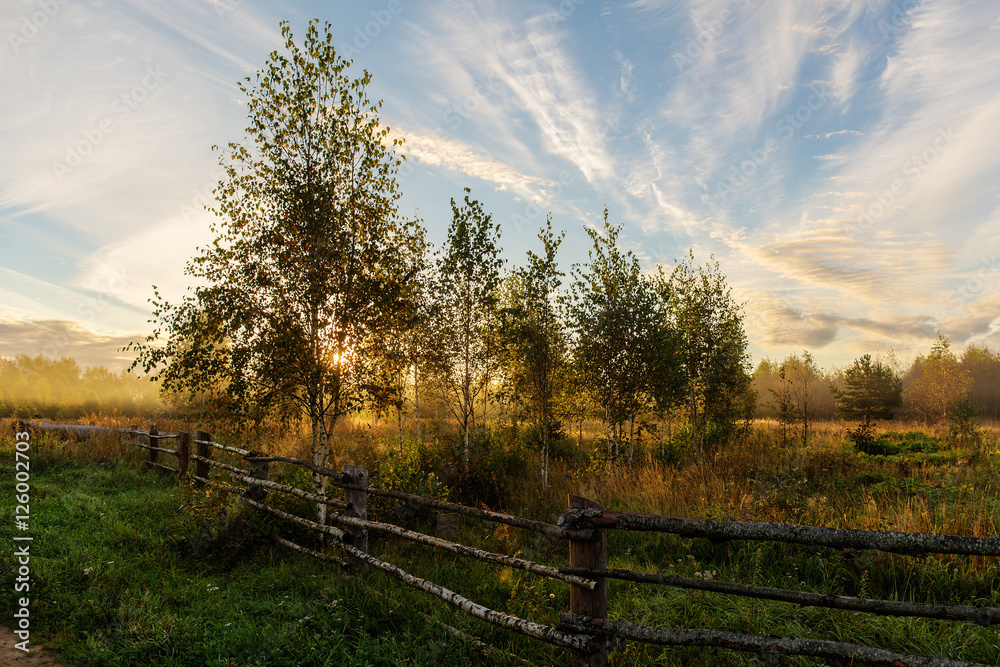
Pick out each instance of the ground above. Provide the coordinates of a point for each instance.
(10, 656)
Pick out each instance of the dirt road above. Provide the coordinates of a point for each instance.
(12, 657)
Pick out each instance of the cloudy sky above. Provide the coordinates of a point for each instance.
(839, 158)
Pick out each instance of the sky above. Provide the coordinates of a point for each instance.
(839, 159)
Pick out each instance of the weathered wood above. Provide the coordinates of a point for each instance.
(448, 526)
(154, 450)
(225, 448)
(161, 450)
(85, 431)
(336, 478)
(544, 633)
(467, 551)
(316, 498)
(183, 454)
(591, 602)
(982, 615)
(202, 449)
(162, 467)
(357, 507)
(258, 472)
(739, 641)
(838, 538)
(219, 464)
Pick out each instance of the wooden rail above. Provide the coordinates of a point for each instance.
(585, 524)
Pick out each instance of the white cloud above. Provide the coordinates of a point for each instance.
(456, 156)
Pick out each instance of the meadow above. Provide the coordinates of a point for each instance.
(131, 567)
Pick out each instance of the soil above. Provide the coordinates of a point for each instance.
(12, 657)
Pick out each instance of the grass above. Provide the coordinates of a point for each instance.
(124, 576)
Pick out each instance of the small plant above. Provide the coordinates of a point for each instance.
(863, 437)
(965, 423)
(407, 469)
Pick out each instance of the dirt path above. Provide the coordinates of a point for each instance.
(12, 657)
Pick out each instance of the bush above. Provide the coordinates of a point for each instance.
(964, 422)
(863, 437)
(411, 469)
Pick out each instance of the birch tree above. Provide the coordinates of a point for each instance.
(301, 295)
(461, 359)
(612, 313)
(712, 348)
(534, 344)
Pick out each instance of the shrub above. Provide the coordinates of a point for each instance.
(863, 437)
(410, 469)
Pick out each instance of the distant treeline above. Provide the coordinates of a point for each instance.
(932, 385)
(59, 389)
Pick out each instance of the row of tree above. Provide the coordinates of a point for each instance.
(618, 344)
(60, 389)
(317, 298)
(931, 389)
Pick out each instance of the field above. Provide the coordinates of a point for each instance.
(132, 568)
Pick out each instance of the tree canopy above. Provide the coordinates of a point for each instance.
(304, 289)
(872, 390)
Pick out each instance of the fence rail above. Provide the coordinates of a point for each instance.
(912, 544)
(585, 525)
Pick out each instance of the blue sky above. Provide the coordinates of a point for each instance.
(840, 160)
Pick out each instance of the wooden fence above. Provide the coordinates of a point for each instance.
(584, 525)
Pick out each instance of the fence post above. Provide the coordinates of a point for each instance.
(153, 442)
(183, 454)
(358, 507)
(258, 470)
(203, 450)
(586, 602)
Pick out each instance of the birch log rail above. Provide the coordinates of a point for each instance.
(739, 641)
(985, 616)
(913, 544)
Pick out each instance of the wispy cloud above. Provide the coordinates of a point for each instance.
(456, 156)
(525, 53)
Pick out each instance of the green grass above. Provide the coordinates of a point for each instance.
(116, 581)
(132, 568)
